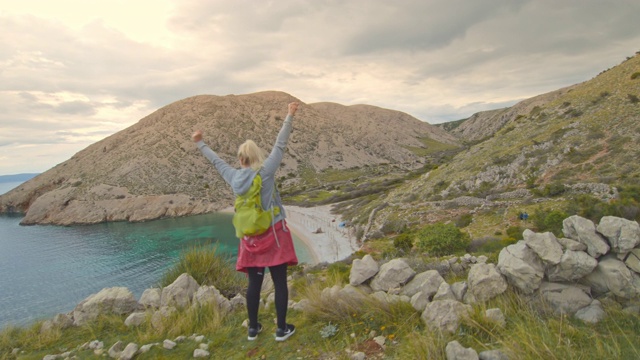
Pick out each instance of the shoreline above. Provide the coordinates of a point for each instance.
(332, 243)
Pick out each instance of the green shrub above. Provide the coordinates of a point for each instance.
(403, 242)
(553, 189)
(515, 232)
(635, 75)
(207, 267)
(464, 220)
(633, 98)
(442, 239)
(549, 221)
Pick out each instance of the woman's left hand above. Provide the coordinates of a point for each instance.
(197, 136)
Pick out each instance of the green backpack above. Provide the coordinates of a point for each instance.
(250, 218)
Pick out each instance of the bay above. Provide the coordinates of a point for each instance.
(46, 270)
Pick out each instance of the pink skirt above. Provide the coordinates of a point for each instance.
(281, 252)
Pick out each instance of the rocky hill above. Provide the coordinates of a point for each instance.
(581, 139)
(152, 169)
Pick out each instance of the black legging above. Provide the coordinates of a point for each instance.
(279, 277)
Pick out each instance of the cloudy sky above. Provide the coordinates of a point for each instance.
(75, 71)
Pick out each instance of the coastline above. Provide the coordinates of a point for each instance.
(332, 243)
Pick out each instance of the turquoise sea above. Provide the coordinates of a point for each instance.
(46, 270)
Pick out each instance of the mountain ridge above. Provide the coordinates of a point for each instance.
(152, 169)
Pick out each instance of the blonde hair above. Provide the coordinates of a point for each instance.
(251, 154)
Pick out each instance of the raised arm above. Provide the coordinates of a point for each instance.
(272, 162)
(226, 170)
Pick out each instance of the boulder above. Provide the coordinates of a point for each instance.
(135, 319)
(613, 275)
(521, 266)
(445, 315)
(116, 349)
(363, 270)
(151, 298)
(584, 231)
(573, 265)
(485, 282)
(180, 292)
(444, 293)
(591, 314)
(427, 282)
(623, 234)
(129, 351)
(459, 288)
(158, 317)
(200, 353)
(209, 295)
(387, 298)
(633, 260)
(545, 245)
(115, 300)
(393, 274)
(351, 294)
(574, 245)
(455, 351)
(497, 316)
(564, 299)
(420, 300)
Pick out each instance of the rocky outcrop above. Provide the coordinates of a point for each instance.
(115, 300)
(153, 170)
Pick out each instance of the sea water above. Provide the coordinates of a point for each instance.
(46, 270)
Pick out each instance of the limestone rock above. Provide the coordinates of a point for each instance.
(200, 353)
(459, 288)
(151, 298)
(115, 300)
(564, 299)
(623, 234)
(455, 351)
(420, 300)
(613, 275)
(573, 245)
(116, 349)
(158, 317)
(180, 292)
(168, 344)
(427, 282)
(584, 231)
(485, 282)
(573, 265)
(633, 260)
(129, 351)
(209, 295)
(362, 270)
(445, 315)
(521, 266)
(545, 245)
(135, 319)
(497, 316)
(444, 293)
(591, 314)
(392, 275)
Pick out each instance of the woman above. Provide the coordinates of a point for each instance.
(276, 258)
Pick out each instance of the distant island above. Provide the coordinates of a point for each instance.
(17, 177)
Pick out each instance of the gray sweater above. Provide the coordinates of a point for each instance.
(241, 179)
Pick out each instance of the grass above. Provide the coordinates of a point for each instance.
(332, 325)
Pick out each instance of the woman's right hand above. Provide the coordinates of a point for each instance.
(197, 136)
(293, 107)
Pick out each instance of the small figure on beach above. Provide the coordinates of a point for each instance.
(282, 253)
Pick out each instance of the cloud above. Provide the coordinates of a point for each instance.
(72, 72)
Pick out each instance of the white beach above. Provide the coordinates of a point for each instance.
(332, 243)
